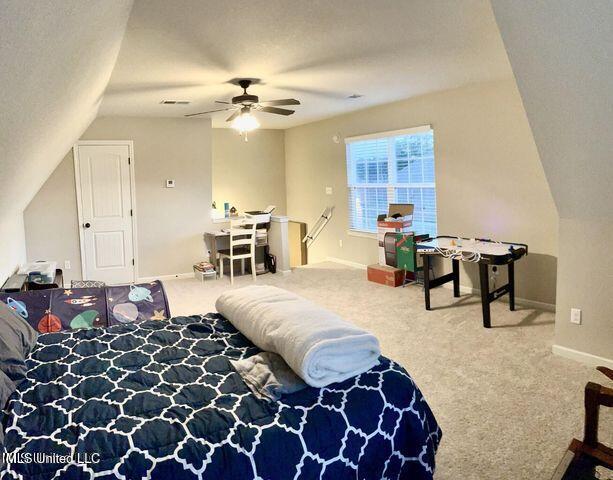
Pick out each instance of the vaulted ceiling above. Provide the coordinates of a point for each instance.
(318, 51)
(55, 61)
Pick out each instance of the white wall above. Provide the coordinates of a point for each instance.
(51, 226)
(489, 180)
(170, 222)
(561, 52)
(12, 244)
(250, 175)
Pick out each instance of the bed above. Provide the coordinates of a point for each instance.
(159, 399)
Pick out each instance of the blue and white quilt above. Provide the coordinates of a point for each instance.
(160, 400)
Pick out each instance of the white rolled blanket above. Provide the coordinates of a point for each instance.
(317, 344)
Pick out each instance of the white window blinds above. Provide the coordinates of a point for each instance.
(392, 167)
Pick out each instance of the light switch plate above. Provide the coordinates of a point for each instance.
(575, 316)
(170, 183)
(328, 190)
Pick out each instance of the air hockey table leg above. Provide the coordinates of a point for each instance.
(455, 266)
(511, 275)
(426, 270)
(485, 294)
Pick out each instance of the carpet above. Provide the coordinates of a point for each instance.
(507, 406)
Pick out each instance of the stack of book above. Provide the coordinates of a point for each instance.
(205, 268)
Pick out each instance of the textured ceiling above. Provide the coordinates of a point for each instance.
(317, 51)
(55, 62)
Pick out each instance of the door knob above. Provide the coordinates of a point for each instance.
(87, 225)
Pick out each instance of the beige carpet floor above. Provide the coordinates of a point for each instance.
(507, 406)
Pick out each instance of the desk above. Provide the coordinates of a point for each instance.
(277, 245)
(483, 252)
(216, 240)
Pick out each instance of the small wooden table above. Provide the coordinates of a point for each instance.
(579, 464)
(583, 457)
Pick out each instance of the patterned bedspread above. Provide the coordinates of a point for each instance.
(160, 400)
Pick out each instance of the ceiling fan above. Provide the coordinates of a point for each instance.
(244, 104)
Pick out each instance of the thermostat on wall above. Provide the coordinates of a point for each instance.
(170, 184)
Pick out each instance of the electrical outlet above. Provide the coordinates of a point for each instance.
(575, 316)
(66, 264)
(328, 190)
(340, 242)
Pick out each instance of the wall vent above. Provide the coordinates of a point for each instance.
(174, 102)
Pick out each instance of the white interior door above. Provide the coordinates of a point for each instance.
(105, 212)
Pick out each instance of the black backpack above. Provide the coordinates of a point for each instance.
(271, 262)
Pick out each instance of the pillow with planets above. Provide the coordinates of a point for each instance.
(134, 303)
(73, 308)
(32, 306)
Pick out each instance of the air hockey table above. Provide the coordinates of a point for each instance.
(484, 252)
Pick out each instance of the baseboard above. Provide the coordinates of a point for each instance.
(582, 357)
(349, 263)
(518, 300)
(165, 277)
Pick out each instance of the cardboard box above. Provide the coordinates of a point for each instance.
(390, 276)
(394, 226)
(402, 209)
(402, 227)
(406, 251)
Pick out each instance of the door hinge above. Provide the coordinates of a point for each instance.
(133, 262)
(131, 213)
(129, 160)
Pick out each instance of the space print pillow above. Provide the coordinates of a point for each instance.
(73, 308)
(60, 309)
(136, 303)
(32, 306)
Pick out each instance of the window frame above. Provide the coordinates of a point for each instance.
(392, 183)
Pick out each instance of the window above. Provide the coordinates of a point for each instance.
(393, 167)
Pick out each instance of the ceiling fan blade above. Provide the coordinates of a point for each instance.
(210, 111)
(278, 111)
(233, 116)
(226, 103)
(286, 101)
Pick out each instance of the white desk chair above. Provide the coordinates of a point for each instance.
(242, 246)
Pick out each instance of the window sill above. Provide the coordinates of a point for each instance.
(358, 233)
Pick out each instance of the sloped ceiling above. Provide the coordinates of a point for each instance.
(56, 58)
(562, 57)
(318, 51)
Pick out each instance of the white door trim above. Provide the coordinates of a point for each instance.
(75, 156)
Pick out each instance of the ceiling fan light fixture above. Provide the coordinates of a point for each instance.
(245, 122)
